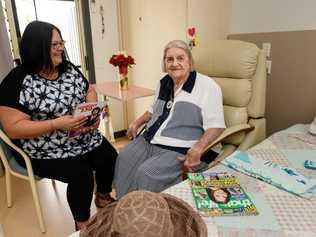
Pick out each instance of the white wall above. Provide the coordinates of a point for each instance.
(211, 18)
(251, 16)
(104, 45)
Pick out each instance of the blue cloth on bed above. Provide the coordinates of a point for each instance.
(285, 178)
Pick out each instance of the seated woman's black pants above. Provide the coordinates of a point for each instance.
(78, 173)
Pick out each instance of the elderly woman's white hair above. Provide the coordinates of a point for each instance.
(181, 45)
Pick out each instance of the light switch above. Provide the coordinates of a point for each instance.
(266, 47)
(268, 66)
(93, 6)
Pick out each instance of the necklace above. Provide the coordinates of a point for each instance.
(176, 91)
(169, 104)
(177, 86)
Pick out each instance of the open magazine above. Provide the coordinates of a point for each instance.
(220, 194)
(95, 111)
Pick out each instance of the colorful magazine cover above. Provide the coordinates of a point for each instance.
(220, 194)
(95, 111)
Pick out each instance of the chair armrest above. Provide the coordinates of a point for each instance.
(228, 132)
(229, 149)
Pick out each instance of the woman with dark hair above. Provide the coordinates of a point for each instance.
(219, 195)
(93, 118)
(40, 95)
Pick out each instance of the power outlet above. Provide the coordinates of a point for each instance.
(266, 47)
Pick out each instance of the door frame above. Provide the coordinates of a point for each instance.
(85, 36)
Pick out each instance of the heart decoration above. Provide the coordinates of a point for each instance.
(191, 32)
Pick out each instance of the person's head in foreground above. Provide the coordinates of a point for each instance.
(146, 214)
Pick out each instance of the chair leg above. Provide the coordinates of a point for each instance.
(8, 188)
(112, 139)
(37, 205)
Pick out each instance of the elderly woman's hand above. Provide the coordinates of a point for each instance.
(132, 131)
(68, 122)
(193, 158)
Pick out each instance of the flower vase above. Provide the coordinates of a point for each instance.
(123, 82)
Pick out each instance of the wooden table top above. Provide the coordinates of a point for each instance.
(112, 89)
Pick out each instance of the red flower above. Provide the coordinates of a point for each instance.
(122, 61)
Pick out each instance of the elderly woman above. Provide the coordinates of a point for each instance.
(36, 103)
(187, 114)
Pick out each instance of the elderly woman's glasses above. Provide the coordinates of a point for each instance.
(57, 44)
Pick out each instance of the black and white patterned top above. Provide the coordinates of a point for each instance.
(46, 99)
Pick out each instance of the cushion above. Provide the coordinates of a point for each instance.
(228, 58)
(235, 115)
(236, 92)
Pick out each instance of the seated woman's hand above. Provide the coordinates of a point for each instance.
(68, 122)
(132, 131)
(192, 159)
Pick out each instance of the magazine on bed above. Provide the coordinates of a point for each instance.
(220, 194)
(95, 111)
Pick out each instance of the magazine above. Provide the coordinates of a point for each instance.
(95, 111)
(220, 194)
